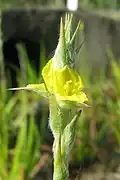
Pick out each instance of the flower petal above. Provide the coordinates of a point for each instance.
(47, 74)
(64, 83)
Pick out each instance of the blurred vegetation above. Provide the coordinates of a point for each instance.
(100, 4)
(98, 134)
(28, 3)
(109, 4)
(20, 135)
(21, 139)
(99, 127)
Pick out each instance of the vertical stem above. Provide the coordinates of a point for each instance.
(60, 163)
(62, 147)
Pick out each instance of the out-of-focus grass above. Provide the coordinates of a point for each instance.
(99, 127)
(20, 139)
(31, 3)
(100, 4)
(98, 134)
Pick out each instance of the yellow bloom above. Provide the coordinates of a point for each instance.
(64, 83)
(60, 79)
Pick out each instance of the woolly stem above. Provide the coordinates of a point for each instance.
(60, 164)
(64, 135)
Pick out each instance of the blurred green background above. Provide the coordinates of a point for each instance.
(25, 138)
(62, 3)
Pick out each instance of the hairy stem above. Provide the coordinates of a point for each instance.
(60, 163)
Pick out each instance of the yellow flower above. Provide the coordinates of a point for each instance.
(60, 79)
(64, 83)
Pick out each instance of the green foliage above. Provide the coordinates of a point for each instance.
(101, 4)
(99, 127)
(18, 127)
(98, 134)
(29, 3)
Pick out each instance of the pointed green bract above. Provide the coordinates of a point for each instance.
(59, 59)
(64, 50)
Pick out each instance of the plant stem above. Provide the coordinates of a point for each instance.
(60, 163)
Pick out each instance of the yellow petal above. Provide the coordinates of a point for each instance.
(47, 74)
(67, 82)
(80, 98)
(64, 83)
